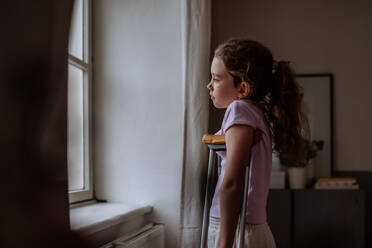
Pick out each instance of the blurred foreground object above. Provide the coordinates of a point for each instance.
(33, 96)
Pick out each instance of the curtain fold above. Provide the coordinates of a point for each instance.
(196, 33)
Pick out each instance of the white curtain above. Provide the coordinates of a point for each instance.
(196, 33)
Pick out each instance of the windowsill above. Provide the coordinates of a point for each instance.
(96, 217)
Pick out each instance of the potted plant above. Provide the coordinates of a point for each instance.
(297, 173)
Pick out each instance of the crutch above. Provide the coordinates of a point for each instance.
(217, 143)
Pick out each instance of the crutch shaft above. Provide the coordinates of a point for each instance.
(242, 213)
(211, 172)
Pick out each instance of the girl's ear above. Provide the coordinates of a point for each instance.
(244, 89)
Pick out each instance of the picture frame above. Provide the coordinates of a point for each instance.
(318, 106)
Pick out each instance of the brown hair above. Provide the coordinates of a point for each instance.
(275, 88)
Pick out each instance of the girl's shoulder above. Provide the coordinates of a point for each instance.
(244, 105)
(241, 112)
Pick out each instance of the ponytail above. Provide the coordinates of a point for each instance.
(288, 124)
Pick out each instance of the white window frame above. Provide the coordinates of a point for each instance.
(86, 65)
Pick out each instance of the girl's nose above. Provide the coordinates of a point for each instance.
(209, 85)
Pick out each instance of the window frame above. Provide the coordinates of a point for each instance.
(87, 193)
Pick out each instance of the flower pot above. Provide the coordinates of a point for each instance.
(297, 177)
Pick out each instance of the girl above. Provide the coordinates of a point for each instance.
(262, 100)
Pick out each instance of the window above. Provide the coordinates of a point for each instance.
(79, 81)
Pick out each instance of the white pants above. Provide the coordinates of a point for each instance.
(255, 236)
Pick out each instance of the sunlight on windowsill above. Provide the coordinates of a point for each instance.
(95, 217)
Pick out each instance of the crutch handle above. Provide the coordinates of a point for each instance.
(213, 139)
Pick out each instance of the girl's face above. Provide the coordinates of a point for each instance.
(221, 87)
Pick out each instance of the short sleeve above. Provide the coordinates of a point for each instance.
(239, 113)
(219, 132)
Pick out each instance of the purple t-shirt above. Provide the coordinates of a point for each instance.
(245, 112)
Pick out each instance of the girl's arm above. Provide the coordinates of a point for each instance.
(238, 144)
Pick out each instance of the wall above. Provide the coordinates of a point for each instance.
(137, 102)
(317, 37)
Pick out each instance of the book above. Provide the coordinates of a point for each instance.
(336, 183)
(339, 187)
(332, 179)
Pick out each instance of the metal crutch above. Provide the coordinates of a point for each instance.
(244, 207)
(213, 148)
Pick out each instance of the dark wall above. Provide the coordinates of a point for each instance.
(33, 128)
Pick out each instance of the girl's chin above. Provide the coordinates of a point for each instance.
(219, 106)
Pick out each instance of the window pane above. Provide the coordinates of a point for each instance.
(76, 30)
(75, 128)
